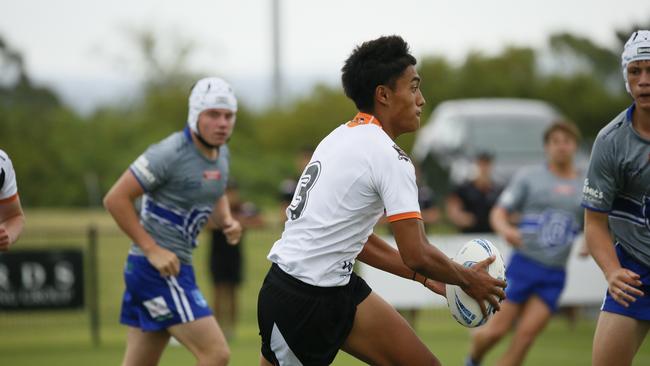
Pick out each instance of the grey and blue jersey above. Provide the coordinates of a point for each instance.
(181, 187)
(618, 183)
(551, 216)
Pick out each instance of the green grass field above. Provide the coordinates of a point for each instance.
(63, 338)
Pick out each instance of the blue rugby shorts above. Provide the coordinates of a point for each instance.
(152, 302)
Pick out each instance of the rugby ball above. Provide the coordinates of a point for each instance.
(464, 308)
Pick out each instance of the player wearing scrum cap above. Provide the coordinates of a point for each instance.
(616, 195)
(11, 212)
(182, 180)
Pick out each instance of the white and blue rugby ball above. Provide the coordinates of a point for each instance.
(464, 308)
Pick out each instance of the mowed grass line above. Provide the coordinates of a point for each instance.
(63, 338)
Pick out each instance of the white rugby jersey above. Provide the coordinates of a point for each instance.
(355, 175)
(8, 188)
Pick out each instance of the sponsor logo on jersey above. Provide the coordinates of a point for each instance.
(347, 265)
(211, 175)
(142, 166)
(401, 155)
(592, 194)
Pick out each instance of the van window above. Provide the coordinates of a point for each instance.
(448, 133)
(507, 137)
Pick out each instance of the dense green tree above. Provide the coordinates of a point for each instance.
(65, 159)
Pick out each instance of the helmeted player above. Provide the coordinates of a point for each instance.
(616, 197)
(312, 303)
(181, 180)
(12, 218)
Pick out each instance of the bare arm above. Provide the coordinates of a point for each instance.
(379, 254)
(222, 218)
(499, 220)
(456, 214)
(12, 221)
(428, 260)
(622, 282)
(119, 203)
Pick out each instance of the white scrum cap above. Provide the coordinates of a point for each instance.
(209, 93)
(636, 48)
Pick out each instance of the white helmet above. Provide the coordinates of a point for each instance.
(636, 48)
(209, 93)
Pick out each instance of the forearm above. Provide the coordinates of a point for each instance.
(14, 226)
(379, 254)
(600, 244)
(424, 258)
(124, 214)
(437, 266)
(499, 221)
(221, 213)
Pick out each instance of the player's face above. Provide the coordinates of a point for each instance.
(406, 102)
(638, 76)
(560, 147)
(215, 125)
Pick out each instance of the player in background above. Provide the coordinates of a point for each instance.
(12, 218)
(616, 197)
(226, 261)
(182, 180)
(311, 303)
(546, 198)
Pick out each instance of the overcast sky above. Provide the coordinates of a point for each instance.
(75, 44)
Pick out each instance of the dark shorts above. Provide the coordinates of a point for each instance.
(527, 277)
(301, 324)
(225, 260)
(640, 309)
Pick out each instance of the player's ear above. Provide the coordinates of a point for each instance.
(382, 94)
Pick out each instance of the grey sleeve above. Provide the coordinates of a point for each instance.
(513, 196)
(600, 185)
(150, 168)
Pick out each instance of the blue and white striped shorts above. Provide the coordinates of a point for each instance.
(152, 302)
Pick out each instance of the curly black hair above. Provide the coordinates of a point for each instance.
(378, 62)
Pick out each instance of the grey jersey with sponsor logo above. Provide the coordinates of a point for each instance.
(551, 215)
(181, 187)
(618, 182)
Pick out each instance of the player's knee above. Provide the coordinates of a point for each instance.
(491, 333)
(526, 337)
(215, 357)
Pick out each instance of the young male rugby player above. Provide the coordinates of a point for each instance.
(546, 199)
(616, 197)
(182, 180)
(311, 303)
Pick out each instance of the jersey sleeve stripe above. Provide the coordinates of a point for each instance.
(594, 208)
(144, 188)
(404, 216)
(9, 199)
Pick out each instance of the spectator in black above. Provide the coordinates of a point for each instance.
(468, 206)
(226, 261)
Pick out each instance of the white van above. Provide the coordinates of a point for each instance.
(511, 130)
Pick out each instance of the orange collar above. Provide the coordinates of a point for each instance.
(363, 119)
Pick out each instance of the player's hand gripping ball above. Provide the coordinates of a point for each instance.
(464, 308)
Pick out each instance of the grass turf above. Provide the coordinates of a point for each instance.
(63, 337)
